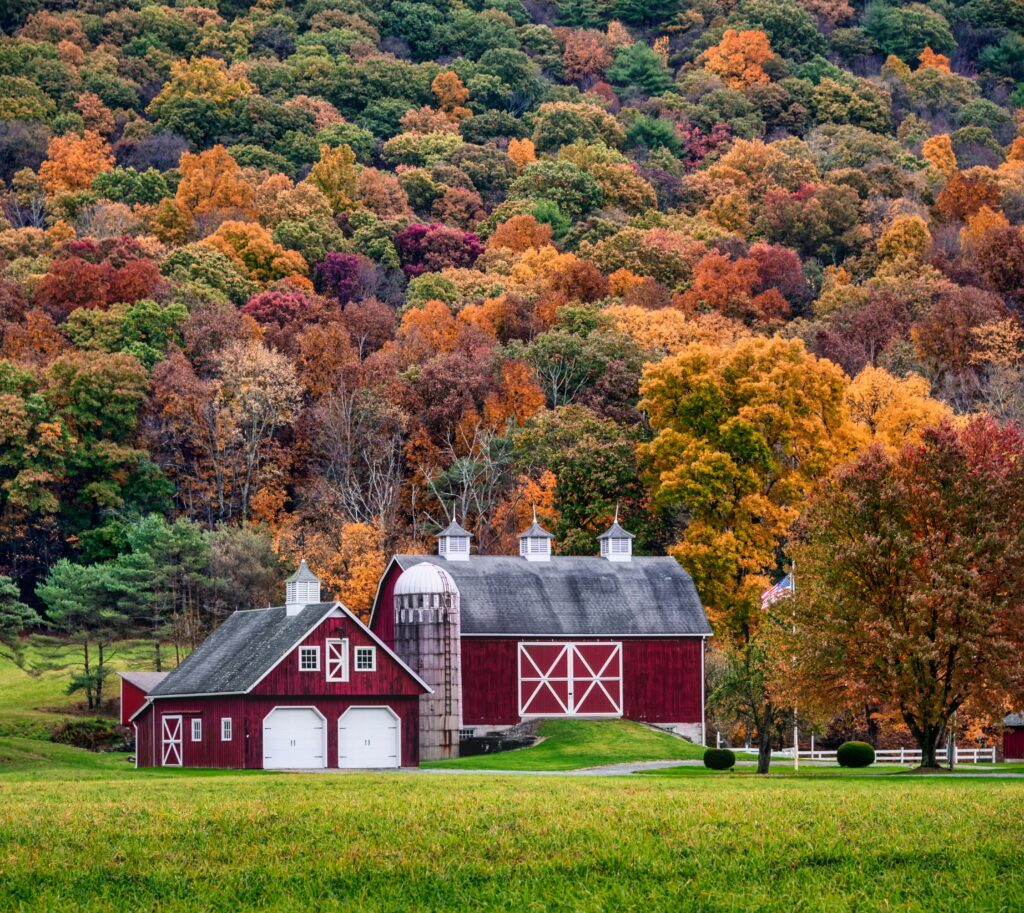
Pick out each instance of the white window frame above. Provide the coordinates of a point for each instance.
(311, 651)
(365, 651)
(197, 729)
(226, 728)
(336, 666)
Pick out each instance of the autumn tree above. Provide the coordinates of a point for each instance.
(911, 570)
(741, 436)
(739, 58)
(892, 410)
(212, 188)
(73, 162)
(335, 175)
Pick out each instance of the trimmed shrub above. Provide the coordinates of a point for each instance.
(91, 733)
(719, 759)
(855, 754)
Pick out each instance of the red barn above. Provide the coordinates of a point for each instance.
(304, 685)
(135, 688)
(504, 639)
(1013, 737)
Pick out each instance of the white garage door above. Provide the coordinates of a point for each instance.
(368, 737)
(293, 738)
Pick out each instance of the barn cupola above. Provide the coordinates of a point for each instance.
(453, 542)
(535, 543)
(301, 589)
(616, 543)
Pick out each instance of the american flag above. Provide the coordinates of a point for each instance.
(785, 588)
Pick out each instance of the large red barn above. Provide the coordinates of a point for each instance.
(504, 639)
(299, 686)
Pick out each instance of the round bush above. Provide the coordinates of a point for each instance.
(719, 759)
(855, 754)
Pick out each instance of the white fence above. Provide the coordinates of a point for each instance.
(902, 755)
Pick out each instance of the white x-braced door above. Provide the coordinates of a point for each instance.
(570, 679)
(170, 739)
(336, 661)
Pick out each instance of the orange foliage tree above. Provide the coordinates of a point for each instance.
(739, 58)
(72, 161)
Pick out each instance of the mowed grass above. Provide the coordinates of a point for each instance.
(575, 744)
(152, 840)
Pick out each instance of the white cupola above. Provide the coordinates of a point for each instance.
(616, 543)
(535, 543)
(453, 543)
(301, 589)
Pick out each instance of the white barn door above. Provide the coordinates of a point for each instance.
(294, 738)
(570, 679)
(170, 739)
(369, 737)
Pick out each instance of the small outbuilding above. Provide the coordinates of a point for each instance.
(301, 686)
(1013, 737)
(135, 688)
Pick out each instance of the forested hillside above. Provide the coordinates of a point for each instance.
(315, 277)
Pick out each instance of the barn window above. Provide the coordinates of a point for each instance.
(309, 659)
(366, 659)
(225, 729)
(197, 730)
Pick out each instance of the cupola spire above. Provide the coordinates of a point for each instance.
(453, 542)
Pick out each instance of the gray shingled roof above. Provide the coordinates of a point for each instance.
(145, 681)
(454, 530)
(235, 656)
(616, 532)
(1014, 719)
(536, 531)
(573, 596)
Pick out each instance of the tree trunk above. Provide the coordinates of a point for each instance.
(100, 669)
(764, 749)
(928, 742)
(89, 700)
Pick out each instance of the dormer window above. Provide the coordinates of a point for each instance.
(616, 543)
(535, 543)
(453, 543)
(301, 589)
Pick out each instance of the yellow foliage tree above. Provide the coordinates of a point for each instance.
(907, 236)
(980, 224)
(522, 152)
(212, 185)
(891, 410)
(336, 175)
(252, 248)
(938, 151)
(73, 161)
(739, 58)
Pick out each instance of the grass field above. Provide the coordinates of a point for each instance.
(31, 705)
(83, 832)
(572, 744)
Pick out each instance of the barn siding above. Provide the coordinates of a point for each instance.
(1013, 743)
(389, 678)
(132, 698)
(661, 679)
(245, 750)
(383, 621)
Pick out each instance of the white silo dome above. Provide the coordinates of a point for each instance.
(425, 579)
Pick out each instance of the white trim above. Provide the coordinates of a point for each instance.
(329, 614)
(230, 728)
(398, 730)
(196, 728)
(169, 745)
(135, 727)
(263, 733)
(355, 659)
(380, 586)
(339, 662)
(316, 653)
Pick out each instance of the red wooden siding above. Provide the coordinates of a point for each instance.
(132, 698)
(383, 621)
(1013, 743)
(388, 679)
(245, 749)
(661, 679)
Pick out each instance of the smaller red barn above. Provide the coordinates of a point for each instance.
(135, 688)
(305, 685)
(1013, 737)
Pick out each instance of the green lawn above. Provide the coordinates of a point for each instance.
(572, 744)
(87, 833)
